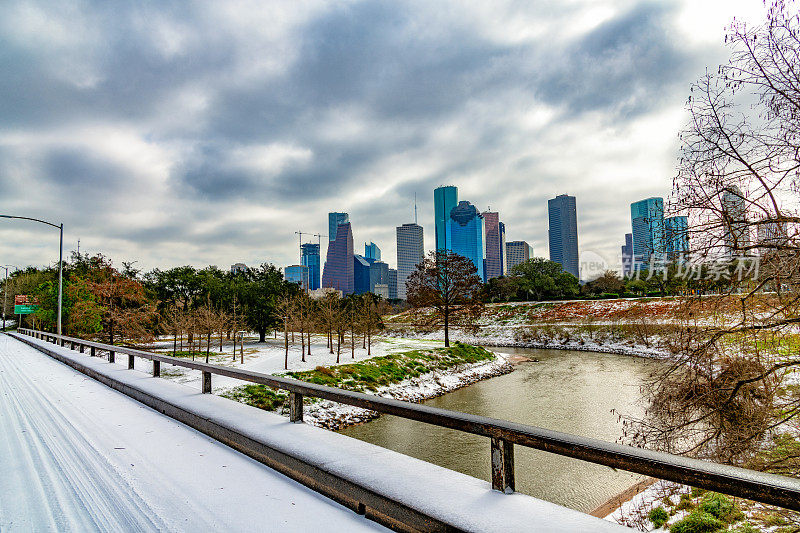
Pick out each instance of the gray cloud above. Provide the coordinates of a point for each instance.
(350, 107)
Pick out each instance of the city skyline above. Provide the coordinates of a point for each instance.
(172, 158)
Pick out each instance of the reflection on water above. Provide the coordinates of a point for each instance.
(568, 391)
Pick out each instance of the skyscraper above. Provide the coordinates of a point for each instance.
(734, 221)
(445, 198)
(771, 236)
(410, 253)
(371, 251)
(338, 271)
(297, 274)
(378, 275)
(517, 252)
(647, 223)
(495, 244)
(503, 251)
(310, 259)
(465, 235)
(627, 255)
(392, 284)
(676, 237)
(563, 232)
(334, 220)
(360, 274)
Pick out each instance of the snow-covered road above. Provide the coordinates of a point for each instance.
(78, 456)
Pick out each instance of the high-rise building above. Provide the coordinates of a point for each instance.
(310, 258)
(378, 275)
(734, 221)
(338, 271)
(238, 268)
(297, 274)
(495, 244)
(517, 252)
(465, 235)
(503, 251)
(772, 236)
(410, 253)
(334, 221)
(382, 290)
(360, 274)
(371, 251)
(627, 255)
(647, 223)
(445, 198)
(393, 284)
(563, 232)
(676, 237)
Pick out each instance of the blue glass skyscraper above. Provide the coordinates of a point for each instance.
(310, 259)
(371, 251)
(360, 274)
(444, 200)
(676, 235)
(563, 233)
(465, 235)
(335, 220)
(647, 222)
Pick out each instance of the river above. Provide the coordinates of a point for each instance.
(568, 391)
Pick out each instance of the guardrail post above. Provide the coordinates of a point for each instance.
(206, 382)
(91, 351)
(111, 356)
(130, 362)
(71, 345)
(295, 407)
(156, 368)
(82, 347)
(502, 465)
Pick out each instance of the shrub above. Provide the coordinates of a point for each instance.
(686, 503)
(720, 506)
(744, 527)
(697, 522)
(658, 517)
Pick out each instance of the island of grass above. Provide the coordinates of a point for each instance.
(367, 375)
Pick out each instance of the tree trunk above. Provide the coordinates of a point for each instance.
(309, 341)
(262, 335)
(208, 344)
(286, 345)
(446, 328)
(302, 345)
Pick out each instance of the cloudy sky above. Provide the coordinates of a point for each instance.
(174, 133)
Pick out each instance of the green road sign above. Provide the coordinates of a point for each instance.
(25, 309)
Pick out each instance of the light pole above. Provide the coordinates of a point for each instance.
(60, 228)
(5, 295)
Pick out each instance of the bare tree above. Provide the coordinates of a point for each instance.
(447, 285)
(738, 178)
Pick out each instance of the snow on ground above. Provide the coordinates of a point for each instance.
(76, 455)
(269, 357)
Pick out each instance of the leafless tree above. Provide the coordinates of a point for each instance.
(448, 286)
(738, 180)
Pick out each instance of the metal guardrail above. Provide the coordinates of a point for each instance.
(758, 486)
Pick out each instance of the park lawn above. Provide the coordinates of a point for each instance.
(367, 375)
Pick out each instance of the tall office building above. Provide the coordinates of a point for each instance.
(676, 237)
(495, 244)
(465, 235)
(297, 274)
(734, 221)
(445, 198)
(503, 252)
(563, 232)
(517, 252)
(627, 255)
(393, 284)
(338, 271)
(334, 221)
(647, 223)
(378, 275)
(360, 274)
(771, 236)
(410, 253)
(371, 251)
(310, 259)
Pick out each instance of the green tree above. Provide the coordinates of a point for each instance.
(542, 279)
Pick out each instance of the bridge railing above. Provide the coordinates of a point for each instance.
(766, 488)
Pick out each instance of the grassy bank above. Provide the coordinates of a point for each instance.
(367, 375)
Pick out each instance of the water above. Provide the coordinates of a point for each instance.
(568, 391)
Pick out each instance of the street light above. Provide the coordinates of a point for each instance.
(60, 228)
(5, 293)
